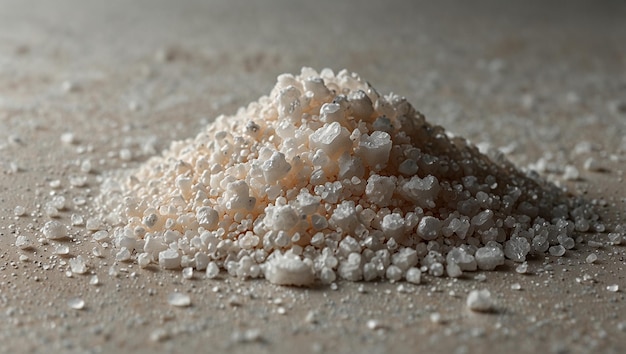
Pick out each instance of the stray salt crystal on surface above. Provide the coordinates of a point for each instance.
(187, 273)
(54, 230)
(178, 299)
(19, 211)
(76, 303)
(613, 288)
(78, 265)
(591, 258)
(480, 301)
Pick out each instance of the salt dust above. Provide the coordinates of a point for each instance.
(326, 178)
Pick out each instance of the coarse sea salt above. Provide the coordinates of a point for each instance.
(326, 178)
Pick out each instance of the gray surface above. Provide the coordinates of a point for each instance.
(532, 77)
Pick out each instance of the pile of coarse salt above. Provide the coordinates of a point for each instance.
(325, 178)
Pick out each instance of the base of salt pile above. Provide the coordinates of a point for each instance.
(325, 178)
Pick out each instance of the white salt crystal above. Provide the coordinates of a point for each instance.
(22, 242)
(522, 268)
(19, 211)
(54, 230)
(169, 259)
(143, 259)
(464, 260)
(77, 220)
(480, 301)
(332, 138)
(613, 288)
(212, 270)
(413, 275)
(62, 250)
(591, 258)
(374, 324)
(179, 299)
(488, 257)
(516, 249)
(76, 303)
(393, 273)
(93, 224)
(351, 268)
(123, 255)
(592, 164)
(429, 228)
(557, 250)
(374, 149)
(453, 270)
(125, 155)
(68, 138)
(94, 280)
(288, 269)
(570, 173)
(393, 226)
(187, 273)
(77, 265)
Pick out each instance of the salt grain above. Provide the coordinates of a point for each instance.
(77, 265)
(54, 230)
(480, 301)
(178, 299)
(591, 258)
(76, 303)
(613, 288)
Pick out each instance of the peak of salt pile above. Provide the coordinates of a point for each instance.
(326, 178)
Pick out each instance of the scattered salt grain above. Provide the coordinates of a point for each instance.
(522, 268)
(187, 273)
(61, 250)
(591, 258)
(19, 211)
(613, 288)
(76, 303)
(22, 242)
(77, 220)
(413, 275)
(178, 299)
(374, 324)
(68, 138)
(557, 250)
(480, 301)
(212, 270)
(592, 164)
(94, 280)
(77, 265)
(54, 230)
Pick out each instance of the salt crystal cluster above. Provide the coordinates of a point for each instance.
(325, 178)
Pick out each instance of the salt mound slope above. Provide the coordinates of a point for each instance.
(326, 178)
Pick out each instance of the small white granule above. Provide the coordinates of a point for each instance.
(480, 301)
(591, 258)
(212, 270)
(76, 303)
(68, 138)
(54, 230)
(414, 275)
(19, 211)
(178, 299)
(289, 269)
(77, 265)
